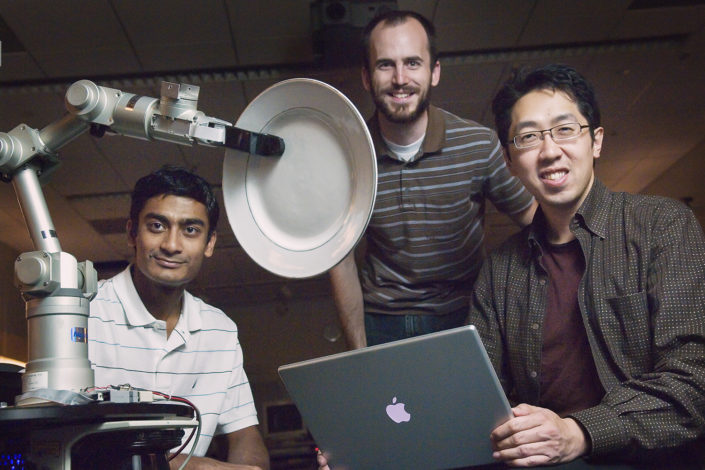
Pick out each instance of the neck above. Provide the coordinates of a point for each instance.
(162, 302)
(559, 217)
(558, 226)
(403, 133)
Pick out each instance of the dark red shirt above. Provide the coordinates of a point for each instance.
(568, 377)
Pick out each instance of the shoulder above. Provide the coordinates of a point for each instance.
(114, 288)
(106, 294)
(653, 202)
(514, 251)
(106, 286)
(456, 123)
(469, 138)
(652, 210)
(211, 316)
(645, 221)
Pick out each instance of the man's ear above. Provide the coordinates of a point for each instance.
(436, 74)
(130, 235)
(598, 134)
(366, 81)
(507, 158)
(210, 246)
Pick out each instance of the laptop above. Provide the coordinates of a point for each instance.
(427, 402)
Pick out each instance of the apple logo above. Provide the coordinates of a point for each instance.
(397, 413)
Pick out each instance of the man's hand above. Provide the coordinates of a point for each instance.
(537, 436)
(322, 462)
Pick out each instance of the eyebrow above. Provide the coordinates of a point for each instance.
(193, 222)
(183, 222)
(383, 60)
(556, 120)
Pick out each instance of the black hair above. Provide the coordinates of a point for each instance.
(395, 18)
(173, 181)
(549, 77)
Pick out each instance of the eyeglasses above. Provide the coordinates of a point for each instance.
(559, 133)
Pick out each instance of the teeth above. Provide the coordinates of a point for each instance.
(555, 176)
(401, 95)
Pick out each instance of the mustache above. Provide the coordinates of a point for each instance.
(404, 88)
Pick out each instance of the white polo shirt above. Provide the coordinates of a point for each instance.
(201, 360)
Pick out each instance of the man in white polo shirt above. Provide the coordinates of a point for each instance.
(146, 330)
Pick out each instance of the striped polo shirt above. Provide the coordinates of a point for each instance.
(424, 240)
(201, 360)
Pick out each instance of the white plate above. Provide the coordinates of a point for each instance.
(298, 215)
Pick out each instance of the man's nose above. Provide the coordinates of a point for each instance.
(171, 243)
(399, 77)
(549, 148)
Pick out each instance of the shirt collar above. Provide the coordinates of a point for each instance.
(433, 142)
(595, 209)
(136, 314)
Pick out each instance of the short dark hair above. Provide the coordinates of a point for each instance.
(549, 77)
(173, 181)
(395, 18)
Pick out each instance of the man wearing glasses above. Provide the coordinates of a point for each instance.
(593, 315)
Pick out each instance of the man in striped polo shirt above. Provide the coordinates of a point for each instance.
(424, 240)
(146, 330)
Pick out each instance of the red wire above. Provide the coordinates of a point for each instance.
(193, 431)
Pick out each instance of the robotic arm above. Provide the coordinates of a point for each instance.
(57, 290)
(172, 118)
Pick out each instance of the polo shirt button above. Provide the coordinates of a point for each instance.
(534, 326)
(533, 374)
(542, 282)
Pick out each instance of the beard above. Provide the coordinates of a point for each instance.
(402, 114)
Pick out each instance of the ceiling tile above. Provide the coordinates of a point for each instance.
(558, 22)
(222, 99)
(35, 108)
(466, 26)
(70, 38)
(272, 32)
(102, 206)
(132, 158)
(182, 34)
(19, 66)
(84, 170)
(650, 22)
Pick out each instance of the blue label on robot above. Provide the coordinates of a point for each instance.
(78, 335)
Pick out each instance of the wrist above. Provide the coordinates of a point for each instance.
(580, 443)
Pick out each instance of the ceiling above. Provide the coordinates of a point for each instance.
(645, 60)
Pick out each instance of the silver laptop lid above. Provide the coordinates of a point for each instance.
(425, 402)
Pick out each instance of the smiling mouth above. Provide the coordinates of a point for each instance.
(555, 175)
(401, 94)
